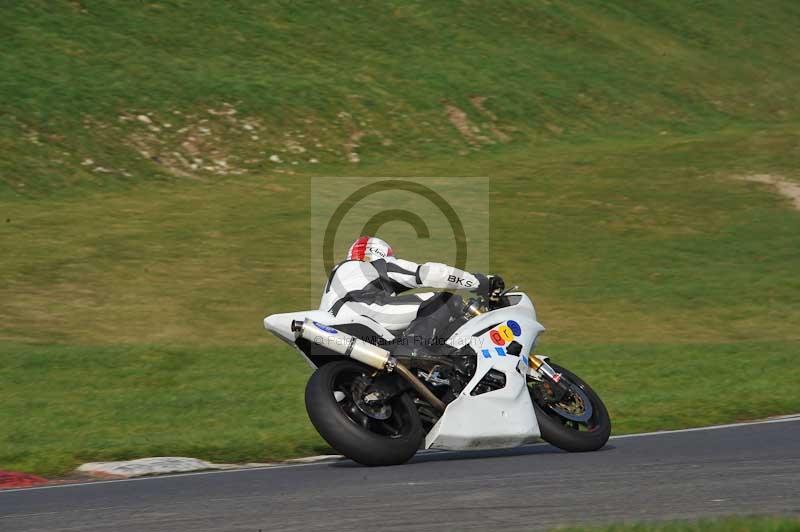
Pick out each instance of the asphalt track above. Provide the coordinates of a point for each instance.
(742, 469)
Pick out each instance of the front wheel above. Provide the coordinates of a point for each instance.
(343, 410)
(576, 422)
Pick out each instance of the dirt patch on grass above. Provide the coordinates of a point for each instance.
(470, 130)
(783, 186)
(357, 129)
(201, 145)
(477, 102)
(465, 127)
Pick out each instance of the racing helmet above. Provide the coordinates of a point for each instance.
(369, 248)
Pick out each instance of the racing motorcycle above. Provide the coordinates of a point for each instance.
(377, 397)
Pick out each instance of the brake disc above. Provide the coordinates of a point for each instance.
(578, 407)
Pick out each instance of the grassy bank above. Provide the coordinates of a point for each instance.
(145, 231)
(173, 90)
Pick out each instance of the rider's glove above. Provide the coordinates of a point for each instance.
(489, 284)
(497, 284)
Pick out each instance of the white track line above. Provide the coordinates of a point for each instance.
(780, 419)
(332, 458)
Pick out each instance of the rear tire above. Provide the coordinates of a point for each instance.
(366, 440)
(569, 435)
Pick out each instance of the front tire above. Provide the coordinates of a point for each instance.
(339, 415)
(571, 425)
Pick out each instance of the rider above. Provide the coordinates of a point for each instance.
(368, 282)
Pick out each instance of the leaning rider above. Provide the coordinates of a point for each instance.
(369, 283)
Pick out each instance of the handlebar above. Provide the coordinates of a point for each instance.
(479, 304)
(506, 291)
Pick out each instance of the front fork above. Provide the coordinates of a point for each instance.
(541, 370)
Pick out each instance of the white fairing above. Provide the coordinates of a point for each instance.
(500, 418)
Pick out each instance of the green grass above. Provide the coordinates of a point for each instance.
(83, 404)
(77, 75)
(729, 524)
(132, 288)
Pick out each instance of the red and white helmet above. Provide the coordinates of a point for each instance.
(369, 248)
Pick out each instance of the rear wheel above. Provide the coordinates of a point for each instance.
(576, 422)
(348, 416)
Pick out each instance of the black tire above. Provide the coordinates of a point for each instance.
(345, 434)
(568, 435)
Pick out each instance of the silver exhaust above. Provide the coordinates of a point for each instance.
(342, 343)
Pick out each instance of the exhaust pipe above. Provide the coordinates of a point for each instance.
(364, 352)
